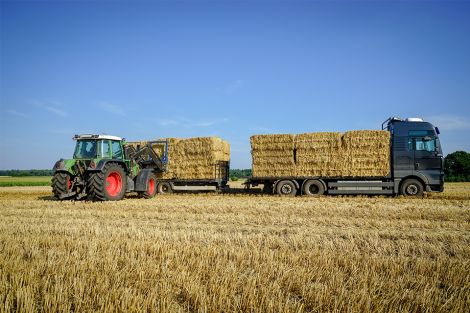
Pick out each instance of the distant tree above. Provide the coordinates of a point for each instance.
(457, 166)
(240, 173)
(20, 173)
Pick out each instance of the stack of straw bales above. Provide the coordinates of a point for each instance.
(364, 153)
(273, 155)
(367, 152)
(319, 154)
(192, 158)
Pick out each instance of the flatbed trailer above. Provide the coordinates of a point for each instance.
(416, 166)
(217, 183)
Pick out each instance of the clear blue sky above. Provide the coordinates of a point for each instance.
(144, 70)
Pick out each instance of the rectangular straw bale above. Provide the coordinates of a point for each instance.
(271, 138)
(318, 141)
(273, 170)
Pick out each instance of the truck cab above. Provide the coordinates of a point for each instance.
(416, 154)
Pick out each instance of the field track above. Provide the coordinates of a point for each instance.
(235, 252)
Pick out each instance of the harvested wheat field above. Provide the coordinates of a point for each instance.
(235, 253)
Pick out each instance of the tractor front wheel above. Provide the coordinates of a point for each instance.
(61, 185)
(151, 187)
(109, 184)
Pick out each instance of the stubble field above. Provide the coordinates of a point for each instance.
(235, 253)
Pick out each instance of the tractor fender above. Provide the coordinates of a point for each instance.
(102, 163)
(59, 166)
(141, 181)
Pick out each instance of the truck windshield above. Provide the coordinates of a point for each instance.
(85, 149)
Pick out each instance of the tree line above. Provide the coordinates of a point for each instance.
(456, 169)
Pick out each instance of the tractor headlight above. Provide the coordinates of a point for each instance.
(92, 165)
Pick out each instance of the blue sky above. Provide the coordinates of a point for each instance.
(144, 70)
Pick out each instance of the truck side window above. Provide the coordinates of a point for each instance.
(117, 151)
(425, 145)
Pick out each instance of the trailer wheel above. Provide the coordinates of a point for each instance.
(164, 187)
(286, 188)
(412, 188)
(151, 188)
(313, 188)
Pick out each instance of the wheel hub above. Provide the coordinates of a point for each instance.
(151, 188)
(113, 184)
(286, 189)
(412, 189)
(313, 189)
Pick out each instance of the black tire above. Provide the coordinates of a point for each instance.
(104, 185)
(412, 188)
(165, 187)
(313, 188)
(61, 184)
(151, 187)
(286, 188)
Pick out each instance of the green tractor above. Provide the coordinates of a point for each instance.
(106, 168)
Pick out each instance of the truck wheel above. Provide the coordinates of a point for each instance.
(151, 188)
(313, 188)
(412, 188)
(61, 185)
(110, 184)
(164, 187)
(286, 188)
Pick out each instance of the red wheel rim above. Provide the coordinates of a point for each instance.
(113, 184)
(151, 188)
(69, 183)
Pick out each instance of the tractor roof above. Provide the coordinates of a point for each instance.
(91, 136)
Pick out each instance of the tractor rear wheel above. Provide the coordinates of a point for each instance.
(61, 185)
(151, 188)
(109, 184)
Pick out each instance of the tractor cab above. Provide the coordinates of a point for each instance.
(98, 147)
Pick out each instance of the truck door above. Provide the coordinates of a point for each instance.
(427, 155)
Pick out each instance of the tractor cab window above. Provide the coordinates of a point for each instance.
(85, 149)
(425, 144)
(117, 150)
(106, 148)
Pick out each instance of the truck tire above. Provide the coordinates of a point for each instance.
(412, 188)
(151, 188)
(61, 185)
(164, 187)
(286, 188)
(313, 188)
(107, 185)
